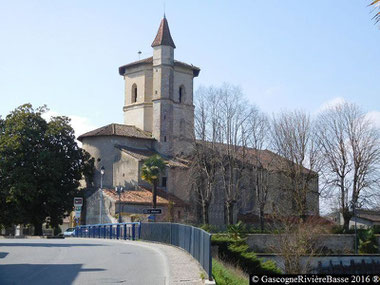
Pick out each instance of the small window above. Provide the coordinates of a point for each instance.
(179, 214)
(163, 182)
(164, 138)
(181, 94)
(134, 93)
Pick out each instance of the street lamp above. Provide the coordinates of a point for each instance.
(101, 194)
(119, 190)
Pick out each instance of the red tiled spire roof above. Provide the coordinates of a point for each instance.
(163, 37)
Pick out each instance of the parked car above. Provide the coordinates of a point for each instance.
(70, 232)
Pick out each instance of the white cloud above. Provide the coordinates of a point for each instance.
(80, 124)
(331, 103)
(374, 116)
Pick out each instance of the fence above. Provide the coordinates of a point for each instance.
(125, 231)
(195, 241)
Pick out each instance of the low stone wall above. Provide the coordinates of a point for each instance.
(342, 262)
(332, 243)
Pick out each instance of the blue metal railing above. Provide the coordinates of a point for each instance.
(131, 231)
(195, 241)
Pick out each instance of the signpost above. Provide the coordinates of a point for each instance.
(78, 203)
(153, 211)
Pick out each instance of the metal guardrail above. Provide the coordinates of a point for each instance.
(131, 231)
(195, 241)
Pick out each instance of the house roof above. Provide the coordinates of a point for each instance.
(149, 61)
(143, 196)
(370, 215)
(143, 153)
(118, 130)
(163, 37)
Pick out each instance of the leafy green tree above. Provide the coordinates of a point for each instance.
(40, 168)
(150, 172)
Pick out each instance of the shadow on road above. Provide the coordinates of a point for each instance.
(3, 254)
(50, 244)
(41, 273)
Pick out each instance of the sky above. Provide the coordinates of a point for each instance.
(285, 55)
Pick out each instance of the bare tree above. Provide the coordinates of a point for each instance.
(233, 119)
(351, 149)
(293, 139)
(298, 243)
(258, 137)
(205, 160)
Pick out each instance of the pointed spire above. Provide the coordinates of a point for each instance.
(163, 37)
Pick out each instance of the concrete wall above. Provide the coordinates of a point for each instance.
(93, 209)
(325, 261)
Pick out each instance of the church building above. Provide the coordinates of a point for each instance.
(158, 119)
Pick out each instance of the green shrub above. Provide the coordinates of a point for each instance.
(237, 252)
(208, 228)
(368, 242)
(237, 231)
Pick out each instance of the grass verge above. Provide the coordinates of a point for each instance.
(226, 276)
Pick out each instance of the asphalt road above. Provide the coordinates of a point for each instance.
(81, 261)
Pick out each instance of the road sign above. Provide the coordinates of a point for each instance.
(77, 214)
(78, 208)
(153, 211)
(78, 201)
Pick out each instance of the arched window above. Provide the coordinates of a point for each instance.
(134, 93)
(181, 94)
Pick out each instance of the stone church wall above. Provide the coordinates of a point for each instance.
(124, 171)
(105, 154)
(277, 199)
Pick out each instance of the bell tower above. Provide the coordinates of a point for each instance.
(163, 79)
(159, 96)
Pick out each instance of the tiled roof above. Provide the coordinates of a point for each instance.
(143, 196)
(118, 130)
(265, 158)
(370, 215)
(163, 37)
(149, 60)
(251, 218)
(143, 153)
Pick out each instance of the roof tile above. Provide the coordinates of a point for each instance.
(163, 37)
(118, 130)
(143, 196)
